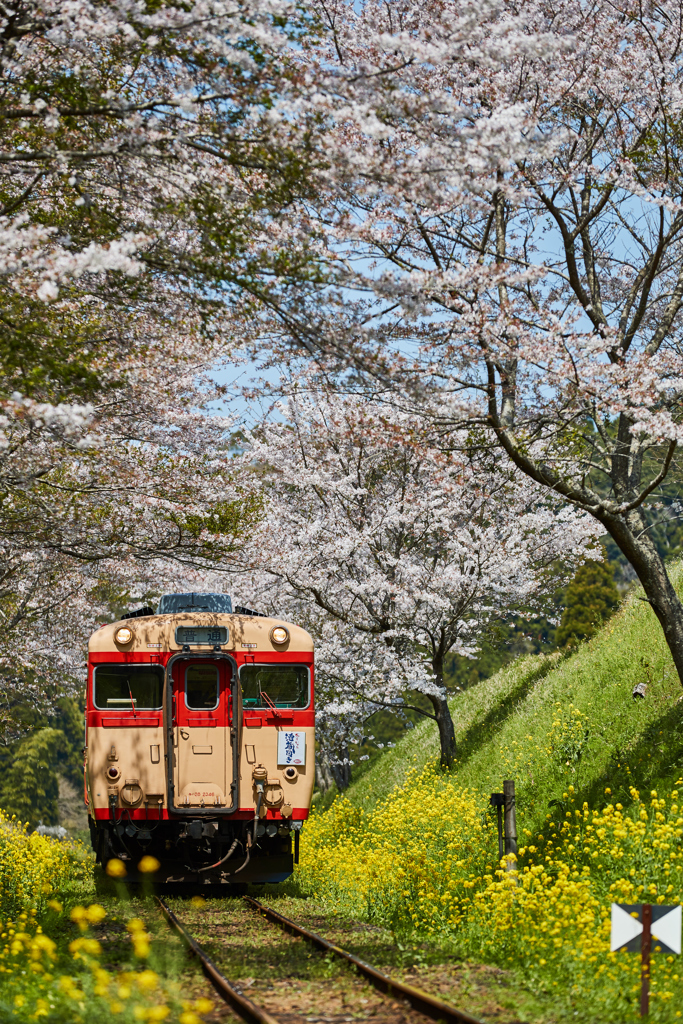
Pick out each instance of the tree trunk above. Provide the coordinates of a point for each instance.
(629, 529)
(323, 773)
(446, 730)
(442, 711)
(341, 769)
(630, 533)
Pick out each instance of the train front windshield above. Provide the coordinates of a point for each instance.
(128, 687)
(286, 686)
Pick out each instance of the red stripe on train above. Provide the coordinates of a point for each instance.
(244, 814)
(288, 719)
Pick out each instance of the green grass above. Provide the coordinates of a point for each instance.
(548, 721)
(416, 852)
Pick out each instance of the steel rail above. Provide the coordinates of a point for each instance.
(419, 1000)
(230, 993)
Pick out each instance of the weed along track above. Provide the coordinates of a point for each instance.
(425, 1004)
(232, 994)
(299, 975)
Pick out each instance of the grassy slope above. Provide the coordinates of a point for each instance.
(548, 723)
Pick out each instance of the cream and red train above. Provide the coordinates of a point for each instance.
(200, 740)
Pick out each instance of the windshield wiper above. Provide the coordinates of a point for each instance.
(270, 704)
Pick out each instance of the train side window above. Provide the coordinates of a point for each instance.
(201, 687)
(128, 687)
(285, 685)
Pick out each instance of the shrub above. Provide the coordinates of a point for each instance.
(32, 867)
(590, 599)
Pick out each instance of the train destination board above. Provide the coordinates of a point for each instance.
(201, 635)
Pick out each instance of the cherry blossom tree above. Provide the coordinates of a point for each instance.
(122, 497)
(140, 160)
(502, 216)
(142, 157)
(395, 551)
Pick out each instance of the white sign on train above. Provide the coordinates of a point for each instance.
(291, 747)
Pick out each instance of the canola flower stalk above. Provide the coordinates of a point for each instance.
(33, 981)
(32, 867)
(32, 986)
(422, 863)
(37, 979)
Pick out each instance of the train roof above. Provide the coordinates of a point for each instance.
(157, 633)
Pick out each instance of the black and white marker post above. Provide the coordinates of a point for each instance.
(636, 927)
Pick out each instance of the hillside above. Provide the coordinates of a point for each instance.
(414, 850)
(548, 722)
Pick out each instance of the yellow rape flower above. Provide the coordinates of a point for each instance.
(158, 1013)
(116, 868)
(95, 913)
(147, 980)
(148, 865)
(78, 947)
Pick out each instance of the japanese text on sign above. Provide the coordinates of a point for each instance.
(291, 747)
(193, 635)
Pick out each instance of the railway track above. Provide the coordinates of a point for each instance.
(428, 1006)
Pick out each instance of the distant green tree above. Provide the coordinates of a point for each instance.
(590, 599)
(68, 717)
(30, 785)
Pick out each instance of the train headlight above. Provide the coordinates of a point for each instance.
(279, 634)
(124, 635)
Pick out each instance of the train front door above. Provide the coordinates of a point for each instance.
(203, 761)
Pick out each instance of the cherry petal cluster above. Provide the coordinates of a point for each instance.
(500, 218)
